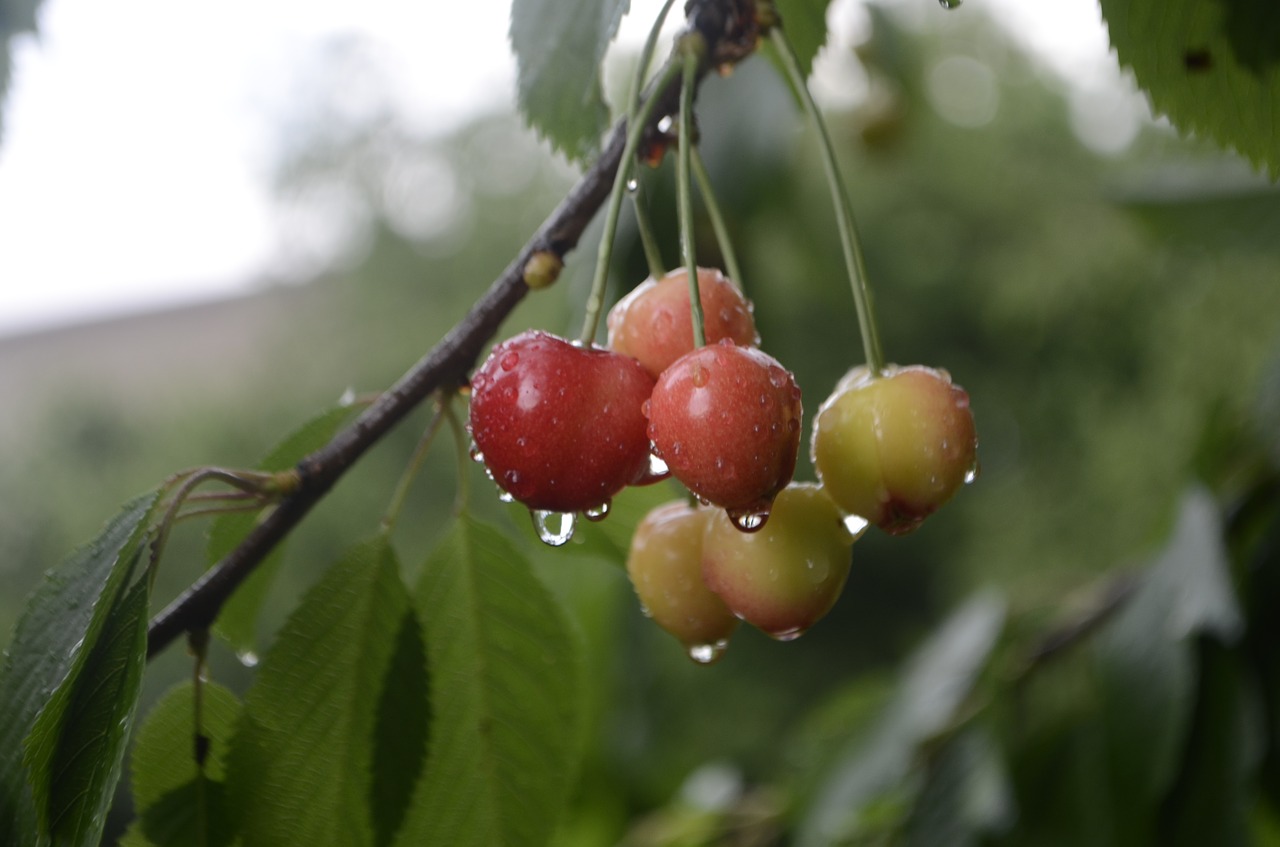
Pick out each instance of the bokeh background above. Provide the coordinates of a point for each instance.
(1105, 290)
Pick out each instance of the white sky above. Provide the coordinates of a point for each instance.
(134, 169)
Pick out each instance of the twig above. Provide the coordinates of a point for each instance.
(448, 362)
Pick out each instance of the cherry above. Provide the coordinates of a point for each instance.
(653, 324)
(726, 420)
(787, 576)
(559, 426)
(893, 448)
(665, 567)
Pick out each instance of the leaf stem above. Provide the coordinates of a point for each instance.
(401, 493)
(460, 442)
(849, 242)
(635, 131)
(691, 53)
(717, 219)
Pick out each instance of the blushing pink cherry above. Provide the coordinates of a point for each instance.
(653, 323)
(726, 420)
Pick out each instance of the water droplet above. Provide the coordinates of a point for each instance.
(855, 524)
(505, 496)
(248, 658)
(949, 4)
(787, 634)
(510, 360)
(657, 467)
(778, 377)
(554, 528)
(598, 513)
(348, 397)
(972, 473)
(705, 654)
(748, 520)
(699, 376)
(633, 185)
(644, 408)
(476, 455)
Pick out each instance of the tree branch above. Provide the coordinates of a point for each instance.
(450, 360)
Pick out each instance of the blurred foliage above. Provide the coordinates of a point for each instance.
(1114, 320)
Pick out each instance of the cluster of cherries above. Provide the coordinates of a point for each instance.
(563, 427)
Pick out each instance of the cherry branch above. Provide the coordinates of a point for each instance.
(730, 27)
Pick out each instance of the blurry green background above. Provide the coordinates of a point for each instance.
(1105, 312)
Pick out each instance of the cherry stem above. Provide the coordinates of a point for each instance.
(691, 52)
(644, 59)
(852, 247)
(460, 442)
(635, 131)
(717, 219)
(411, 470)
(652, 252)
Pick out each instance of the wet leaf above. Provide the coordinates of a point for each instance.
(506, 698)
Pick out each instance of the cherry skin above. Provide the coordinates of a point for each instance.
(560, 426)
(726, 420)
(893, 448)
(787, 576)
(665, 567)
(653, 324)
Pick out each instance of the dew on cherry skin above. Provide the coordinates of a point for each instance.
(787, 634)
(705, 654)
(476, 455)
(505, 496)
(855, 525)
(510, 360)
(972, 472)
(748, 520)
(554, 528)
(598, 513)
(657, 467)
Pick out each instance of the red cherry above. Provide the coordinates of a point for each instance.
(653, 323)
(787, 576)
(726, 420)
(665, 568)
(559, 426)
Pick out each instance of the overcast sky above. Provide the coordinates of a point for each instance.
(134, 170)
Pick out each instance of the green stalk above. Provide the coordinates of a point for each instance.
(635, 131)
(854, 263)
(411, 470)
(717, 219)
(652, 252)
(643, 60)
(684, 192)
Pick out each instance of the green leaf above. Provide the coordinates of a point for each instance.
(559, 45)
(301, 764)
(805, 23)
(1145, 660)
(76, 748)
(871, 775)
(506, 698)
(1209, 803)
(175, 804)
(237, 622)
(63, 622)
(967, 794)
(1212, 66)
